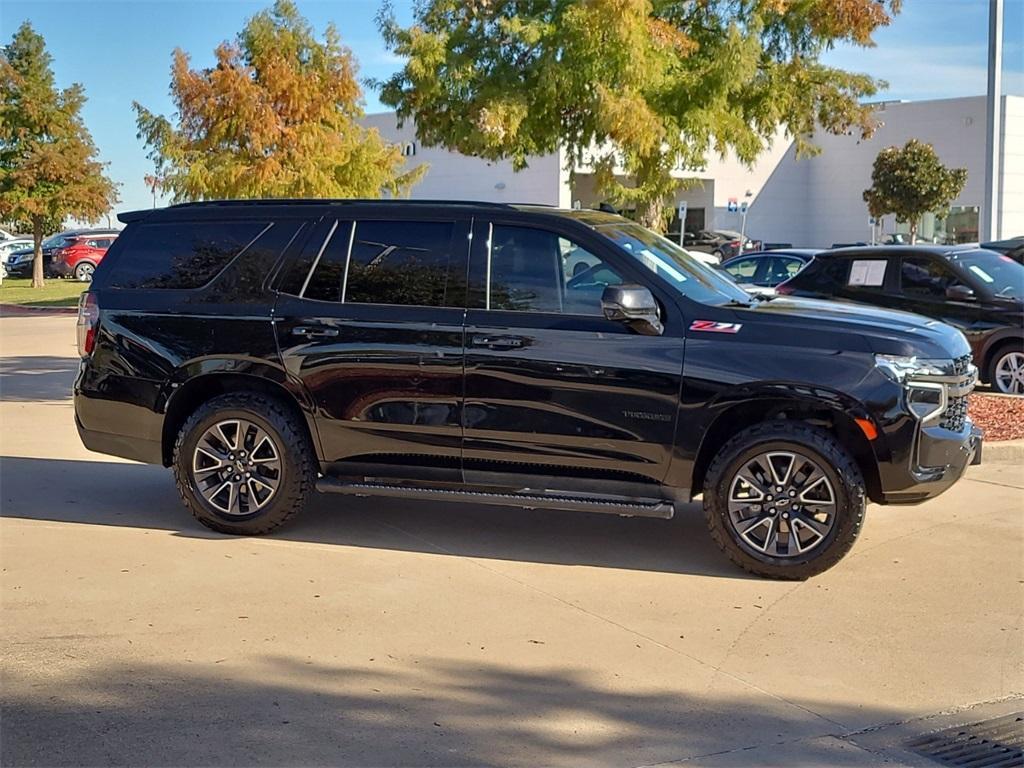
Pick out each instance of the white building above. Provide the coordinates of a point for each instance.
(812, 201)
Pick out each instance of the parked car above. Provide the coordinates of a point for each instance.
(723, 243)
(7, 247)
(20, 262)
(80, 256)
(978, 291)
(8, 235)
(760, 272)
(426, 350)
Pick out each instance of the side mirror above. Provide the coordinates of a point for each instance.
(960, 293)
(633, 305)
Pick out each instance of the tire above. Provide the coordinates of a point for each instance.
(824, 532)
(1005, 360)
(245, 508)
(84, 271)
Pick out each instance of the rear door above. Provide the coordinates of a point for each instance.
(370, 320)
(553, 388)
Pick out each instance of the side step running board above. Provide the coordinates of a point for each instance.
(629, 507)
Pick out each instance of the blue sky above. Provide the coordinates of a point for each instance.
(121, 51)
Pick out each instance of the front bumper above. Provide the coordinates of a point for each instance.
(940, 460)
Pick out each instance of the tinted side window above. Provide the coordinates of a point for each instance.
(182, 254)
(924, 277)
(782, 269)
(399, 262)
(326, 281)
(533, 270)
(743, 271)
(525, 269)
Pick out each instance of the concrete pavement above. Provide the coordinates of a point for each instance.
(386, 633)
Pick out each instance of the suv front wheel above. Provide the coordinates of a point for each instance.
(784, 499)
(243, 464)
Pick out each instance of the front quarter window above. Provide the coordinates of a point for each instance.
(661, 256)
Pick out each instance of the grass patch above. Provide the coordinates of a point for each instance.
(56, 292)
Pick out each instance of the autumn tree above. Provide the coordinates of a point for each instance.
(48, 165)
(275, 117)
(910, 182)
(654, 84)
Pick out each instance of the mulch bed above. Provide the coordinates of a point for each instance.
(1001, 417)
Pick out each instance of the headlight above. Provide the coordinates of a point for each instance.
(924, 381)
(900, 368)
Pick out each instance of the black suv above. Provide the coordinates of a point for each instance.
(980, 292)
(446, 350)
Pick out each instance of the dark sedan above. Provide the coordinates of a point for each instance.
(723, 243)
(764, 270)
(978, 291)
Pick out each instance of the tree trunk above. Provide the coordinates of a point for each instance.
(913, 233)
(37, 257)
(649, 213)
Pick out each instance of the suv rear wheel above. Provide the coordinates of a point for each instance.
(784, 500)
(243, 464)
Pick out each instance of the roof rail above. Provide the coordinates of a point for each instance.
(333, 201)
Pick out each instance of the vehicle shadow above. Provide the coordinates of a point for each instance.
(135, 495)
(34, 378)
(425, 712)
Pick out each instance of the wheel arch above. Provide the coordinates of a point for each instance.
(186, 397)
(739, 415)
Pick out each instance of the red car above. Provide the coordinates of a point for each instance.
(80, 256)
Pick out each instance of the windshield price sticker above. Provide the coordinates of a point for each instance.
(868, 272)
(982, 273)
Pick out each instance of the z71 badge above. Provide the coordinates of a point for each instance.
(712, 327)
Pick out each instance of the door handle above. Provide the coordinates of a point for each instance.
(498, 342)
(311, 333)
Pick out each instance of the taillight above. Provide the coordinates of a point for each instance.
(88, 322)
(735, 243)
(784, 289)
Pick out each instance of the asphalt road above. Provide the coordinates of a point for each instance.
(386, 633)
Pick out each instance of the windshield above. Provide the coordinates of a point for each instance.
(999, 274)
(54, 241)
(690, 277)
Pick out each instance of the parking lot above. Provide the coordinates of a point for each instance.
(386, 632)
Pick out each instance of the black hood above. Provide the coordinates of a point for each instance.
(883, 331)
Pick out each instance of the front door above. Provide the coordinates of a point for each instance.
(553, 388)
(365, 321)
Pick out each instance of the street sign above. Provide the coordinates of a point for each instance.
(743, 207)
(682, 220)
(733, 206)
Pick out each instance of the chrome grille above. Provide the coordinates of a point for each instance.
(955, 415)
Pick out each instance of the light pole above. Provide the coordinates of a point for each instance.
(990, 224)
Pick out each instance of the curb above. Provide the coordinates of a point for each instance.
(1003, 452)
(14, 310)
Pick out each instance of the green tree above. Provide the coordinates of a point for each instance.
(910, 182)
(276, 117)
(656, 84)
(48, 165)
